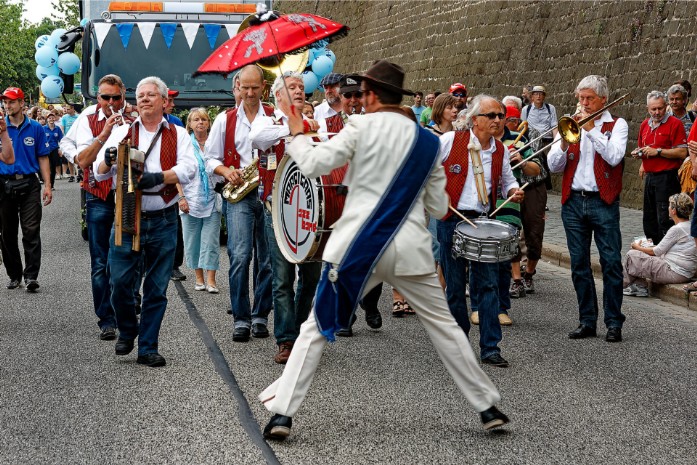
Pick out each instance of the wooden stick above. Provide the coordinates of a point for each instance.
(454, 210)
(507, 200)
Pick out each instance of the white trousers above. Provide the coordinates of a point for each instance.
(426, 297)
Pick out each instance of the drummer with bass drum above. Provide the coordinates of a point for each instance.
(476, 167)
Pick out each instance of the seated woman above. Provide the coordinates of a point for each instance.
(672, 261)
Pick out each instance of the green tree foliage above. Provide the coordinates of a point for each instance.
(67, 13)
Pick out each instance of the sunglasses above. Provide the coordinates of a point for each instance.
(493, 115)
(107, 97)
(357, 94)
(459, 95)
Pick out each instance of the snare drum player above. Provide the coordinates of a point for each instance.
(476, 167)
(591, 189)
(169, 159)
(394, 173)
(290, 307)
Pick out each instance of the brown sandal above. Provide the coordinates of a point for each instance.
(407, 309)
(398, 308)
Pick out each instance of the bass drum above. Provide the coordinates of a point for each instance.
(304, 209)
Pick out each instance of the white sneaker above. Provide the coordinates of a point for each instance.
(635, 290)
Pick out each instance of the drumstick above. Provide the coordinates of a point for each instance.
(462, 216)
(507, 200)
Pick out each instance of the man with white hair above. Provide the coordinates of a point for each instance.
(291, 308)
(169, 159)
(662, 147)
(591, 187)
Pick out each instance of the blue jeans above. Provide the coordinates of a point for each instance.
(485, 292)
(291, 308)
(245, 226)
(504, 278)
(99, 217)
(201, 241)
(583, 218)
(158, 241)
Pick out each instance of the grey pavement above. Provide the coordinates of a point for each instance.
(381, 397)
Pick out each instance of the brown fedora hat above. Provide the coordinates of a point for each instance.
(386, 75)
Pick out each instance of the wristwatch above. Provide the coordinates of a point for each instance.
(658, 152)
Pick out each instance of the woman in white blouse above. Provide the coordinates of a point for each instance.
(672, 261)
(200, 207)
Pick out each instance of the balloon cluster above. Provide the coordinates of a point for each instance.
(50, 63)
(319, 64)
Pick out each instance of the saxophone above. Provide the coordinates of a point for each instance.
(250, 182)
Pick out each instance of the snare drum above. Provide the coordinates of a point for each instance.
(304, 209)
(492, 241)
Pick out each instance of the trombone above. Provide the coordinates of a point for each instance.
(569, 129)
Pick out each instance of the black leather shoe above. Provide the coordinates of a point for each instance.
(495, 360)
(14, 284)
(108, 334)
(582, 332)
(278, 427)
(373, 318)
(32, 285)
(177, 275)
(346, 332)
(240, 334)
(152, 360)
(493, 418)
(123, 346)
(259, 330)
(614, 334)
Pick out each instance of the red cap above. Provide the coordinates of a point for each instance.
(172, 93)
(458, 87)
(512, 112)
(13, 93)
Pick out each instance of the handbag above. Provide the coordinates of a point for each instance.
(18, 187)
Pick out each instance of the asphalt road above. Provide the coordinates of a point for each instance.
(382, 397)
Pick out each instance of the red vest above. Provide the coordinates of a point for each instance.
(99, 189)
(335, 123)
(168, 155)
(608, 178)
(457, 165)
(266, 176)
(231, 158)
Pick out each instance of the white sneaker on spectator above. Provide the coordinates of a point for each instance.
(635, 290)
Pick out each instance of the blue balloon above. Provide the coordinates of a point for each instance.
(41, 41)
(311, 81)
(68, 63)
(42, 72)
(84, 22)
(46, 56)
(58, 33)
(316, 52)
(52, 86)
(331, 55)
(322, 66)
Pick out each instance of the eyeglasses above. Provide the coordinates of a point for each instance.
(357, 94)
(459, 95)
(512, 120)
(493, 115)
(107, 97)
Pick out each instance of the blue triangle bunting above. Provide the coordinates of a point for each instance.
(125, 30)
(168, 30)
(212, 31)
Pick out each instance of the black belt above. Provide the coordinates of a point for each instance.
(671, 172)
(586, 193)
(145, 215)
(17, 176)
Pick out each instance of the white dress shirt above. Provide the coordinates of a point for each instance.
(323, 110)
(69, 143)
(266, 133)
(215, 145)
(185, 168)
(611, 149)
(469, 199)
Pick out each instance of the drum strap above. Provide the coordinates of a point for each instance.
(341, 286)
(478, 171)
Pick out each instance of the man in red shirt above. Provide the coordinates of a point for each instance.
(662, 147)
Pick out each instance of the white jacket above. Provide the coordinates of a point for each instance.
(375, 146)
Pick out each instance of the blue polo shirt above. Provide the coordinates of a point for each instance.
(29, 143)
(174, 120)
(53, 137)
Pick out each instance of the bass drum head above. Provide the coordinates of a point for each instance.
(295, 208)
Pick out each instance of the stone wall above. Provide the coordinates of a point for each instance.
(497, 47)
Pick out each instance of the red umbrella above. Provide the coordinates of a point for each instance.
(270, 35)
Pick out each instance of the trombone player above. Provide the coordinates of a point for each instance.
(591, 187)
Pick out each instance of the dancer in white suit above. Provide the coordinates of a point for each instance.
(394, 173)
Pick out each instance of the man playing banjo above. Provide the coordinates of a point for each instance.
(476, 166)
(394, 173)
